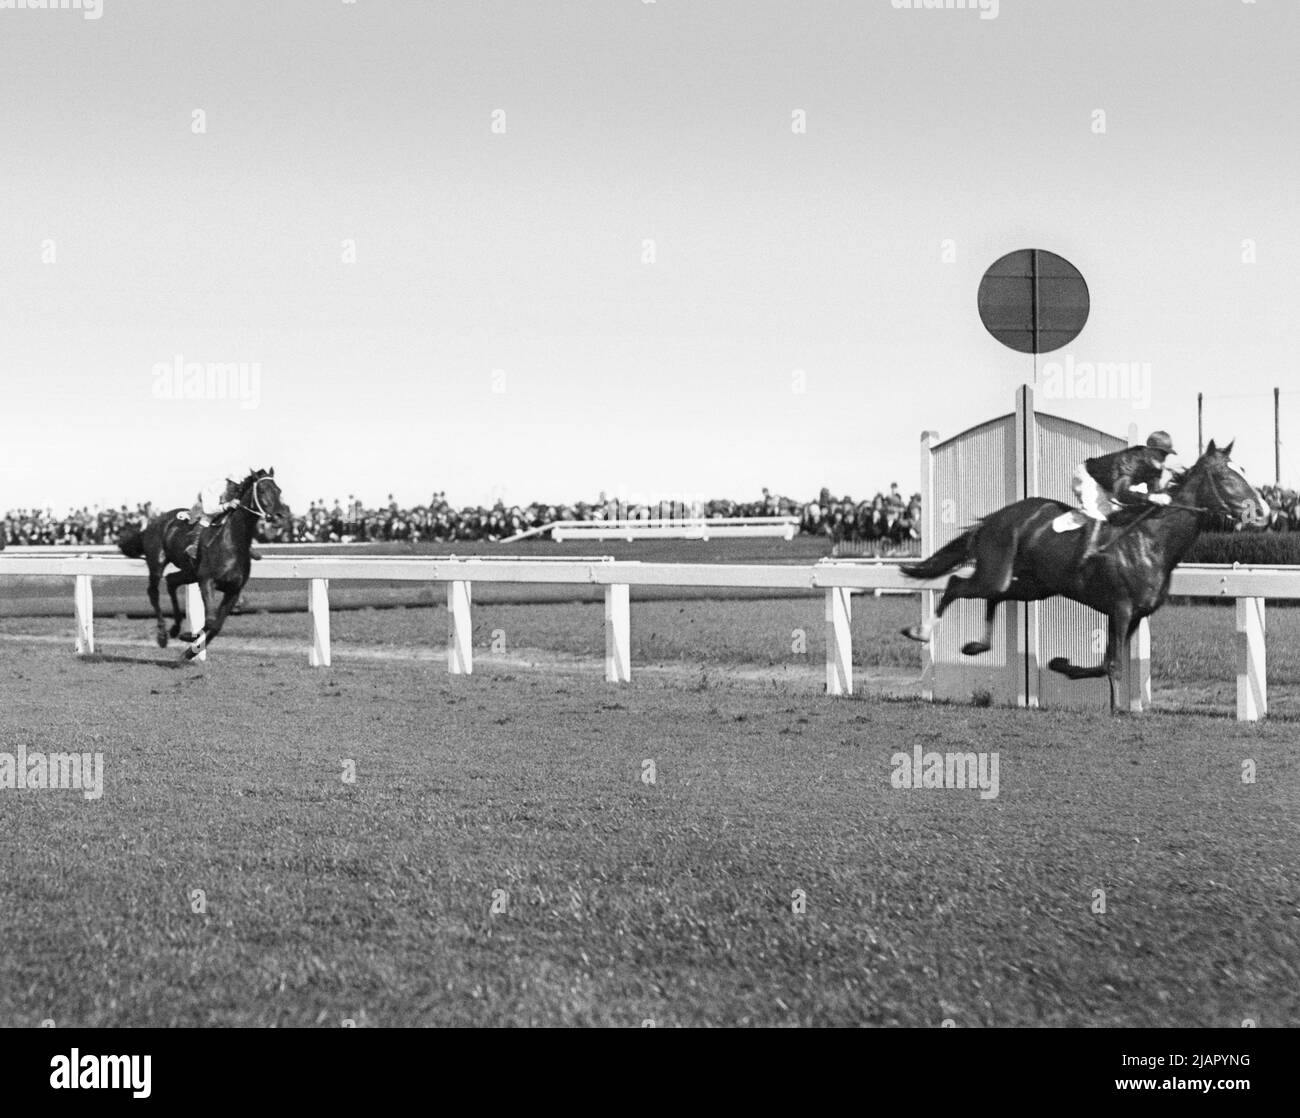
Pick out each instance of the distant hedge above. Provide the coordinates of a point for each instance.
(1246, 548)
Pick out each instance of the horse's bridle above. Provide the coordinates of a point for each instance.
(259, 512)
(1217, 491)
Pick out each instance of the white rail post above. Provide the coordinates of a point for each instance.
(929, 533)
(460, 654)
(1252, 691)
(618, 633)
(195, 615)
(839, 641)
(1139, 660)
(84, 598)
(318, 605)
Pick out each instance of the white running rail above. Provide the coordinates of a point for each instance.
(1249, 586)
(669, 528)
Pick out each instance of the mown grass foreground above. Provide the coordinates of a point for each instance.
(618, 900)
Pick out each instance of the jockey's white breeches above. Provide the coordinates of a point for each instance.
(210, 497)
(1093, 499)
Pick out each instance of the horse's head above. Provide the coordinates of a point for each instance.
(1212, 484)
(259, 494)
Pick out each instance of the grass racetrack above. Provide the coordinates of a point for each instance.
(521, 788)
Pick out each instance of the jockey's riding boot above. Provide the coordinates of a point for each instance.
(192, 548)
(1090, 544)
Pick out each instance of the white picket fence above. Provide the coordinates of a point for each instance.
(1250, 586)
(668, 528)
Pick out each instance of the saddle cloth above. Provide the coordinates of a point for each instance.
(1069, 521)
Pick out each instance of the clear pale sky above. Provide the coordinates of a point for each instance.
(775, 250)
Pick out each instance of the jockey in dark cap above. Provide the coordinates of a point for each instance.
(1106, 483)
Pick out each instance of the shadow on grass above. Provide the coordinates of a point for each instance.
(172, 662)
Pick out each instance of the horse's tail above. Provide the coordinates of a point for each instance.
(947, 558)
(130, 542)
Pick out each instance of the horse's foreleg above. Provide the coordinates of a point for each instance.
(216, 619)
(1121, 626)
(1111, 668)
(1062, 666)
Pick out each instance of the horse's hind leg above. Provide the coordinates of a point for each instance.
(959, 586)
(994, 556)
(975, 648)
(995, 559)
(926, 631)
(155, 576)
(995, 564)
(175, 580)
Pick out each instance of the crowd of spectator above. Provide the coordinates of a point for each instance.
(87, 525)
(1283, 506)
(887, 520)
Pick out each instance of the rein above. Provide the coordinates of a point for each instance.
(259, 512)
(1199, 510)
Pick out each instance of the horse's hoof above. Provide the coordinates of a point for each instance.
(974, 648)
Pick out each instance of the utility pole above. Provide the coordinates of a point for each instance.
(1277, 438)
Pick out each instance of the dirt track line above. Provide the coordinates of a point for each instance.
(798, 676)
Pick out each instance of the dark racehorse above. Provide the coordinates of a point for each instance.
(1019, 557)
(223, 557)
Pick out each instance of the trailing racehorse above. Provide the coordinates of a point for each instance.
(223, 557)
(1020, 557)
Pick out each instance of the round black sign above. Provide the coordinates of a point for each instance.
(1033, 301)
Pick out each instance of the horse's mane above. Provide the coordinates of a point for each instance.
(1178, 480)
(1181, 477)
(253, 475)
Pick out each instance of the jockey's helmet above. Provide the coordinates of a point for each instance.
(1160, 440)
